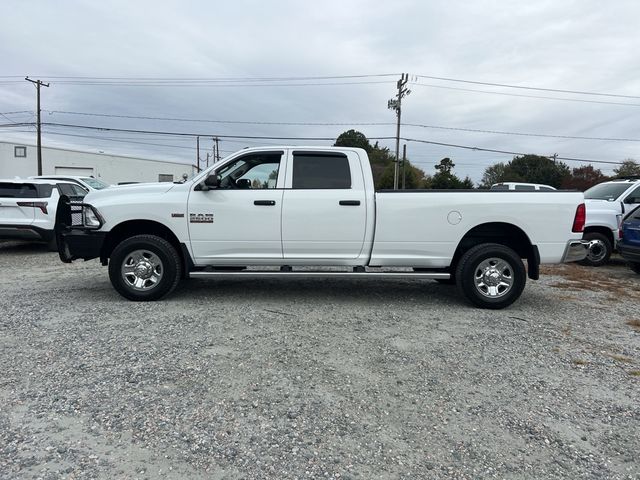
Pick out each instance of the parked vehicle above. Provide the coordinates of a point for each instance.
(88, 183)
(606, 205)
(522, 187)
(629, 243)
(28, 208)
(289, 207)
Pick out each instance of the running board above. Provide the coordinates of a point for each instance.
(318, 274)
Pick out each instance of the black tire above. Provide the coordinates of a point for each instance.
(52, 244)
(599, 252)
(159, 253)
(635, 266)
(469, 267)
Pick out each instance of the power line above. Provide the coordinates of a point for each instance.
(562, 99)
(481, 149)
(342, 124)
(524, 87)
(259, 137)
(263, 78)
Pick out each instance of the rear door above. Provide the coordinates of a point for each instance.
(324, 209)
(14, 203)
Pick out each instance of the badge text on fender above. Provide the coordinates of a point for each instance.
(201, 218)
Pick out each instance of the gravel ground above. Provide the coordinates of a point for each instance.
(338, 378)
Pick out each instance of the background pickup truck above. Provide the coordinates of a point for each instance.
(606, 204)
(267, 211)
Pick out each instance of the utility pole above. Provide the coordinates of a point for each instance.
(217, 150)
(38, 84)
(198, 154)
(207, 160)
(404, 163)
(396, 104)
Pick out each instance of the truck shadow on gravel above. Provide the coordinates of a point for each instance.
(313, 290)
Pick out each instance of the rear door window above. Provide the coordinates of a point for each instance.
(18, 190)
(320, 171)
(525, 188)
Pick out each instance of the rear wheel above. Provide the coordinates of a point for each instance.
(491, 275)
(600, 249)
(144, 267)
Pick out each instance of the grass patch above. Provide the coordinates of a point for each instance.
(619, 358)
(580, 361)
(635, 373)
(577, 278)
(634, 323)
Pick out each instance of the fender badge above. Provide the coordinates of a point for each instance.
(177, 215)
(201, 218)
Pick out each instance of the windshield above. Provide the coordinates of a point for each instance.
(606, 191)
(95, 183)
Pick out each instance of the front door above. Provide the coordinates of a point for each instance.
(240, 220)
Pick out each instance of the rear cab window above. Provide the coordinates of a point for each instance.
(320, 170)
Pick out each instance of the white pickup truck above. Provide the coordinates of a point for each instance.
(270, 211)
(606, 205)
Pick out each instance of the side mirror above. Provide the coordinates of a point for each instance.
(212, 181)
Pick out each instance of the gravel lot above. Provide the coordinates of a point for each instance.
(315, 379)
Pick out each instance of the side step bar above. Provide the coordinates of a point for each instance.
(319, 274)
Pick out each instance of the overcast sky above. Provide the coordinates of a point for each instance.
(578, 45)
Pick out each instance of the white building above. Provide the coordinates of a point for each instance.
(21, 160)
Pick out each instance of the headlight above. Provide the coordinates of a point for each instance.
(90, 217)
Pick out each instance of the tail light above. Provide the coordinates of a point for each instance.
(41, 205)
(579, 219)
(619, 217)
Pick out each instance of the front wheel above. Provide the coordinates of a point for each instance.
(144, 268)
(599, 251)
(635, 266)
(491, 276)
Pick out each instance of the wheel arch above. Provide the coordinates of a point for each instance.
(130, 228)
(503, 233)
(602, 229)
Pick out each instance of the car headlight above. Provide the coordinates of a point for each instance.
(90, 217)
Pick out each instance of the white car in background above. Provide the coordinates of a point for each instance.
(522, 187)
(28, 208)
(606, 204)
(89, 183)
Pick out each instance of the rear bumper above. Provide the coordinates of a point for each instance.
(25, 232)
(629, 252)
(79, 243)
(575, 251)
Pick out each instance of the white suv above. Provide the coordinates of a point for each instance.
(606, 205)
(28, 208)
(88, 183)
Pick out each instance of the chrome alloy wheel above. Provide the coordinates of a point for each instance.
(597, 251)
(142, 270)
(493, 277)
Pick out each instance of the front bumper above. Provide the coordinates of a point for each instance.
(575, 251)
(628, 252)
(80, 243)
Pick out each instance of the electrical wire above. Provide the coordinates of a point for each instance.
(341, 124)
(524, 87)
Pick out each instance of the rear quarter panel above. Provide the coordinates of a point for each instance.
(424, 228)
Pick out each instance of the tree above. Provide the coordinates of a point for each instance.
(583, 178)
(353, 138)
(414, 177)
(445, 179)
(628, 168)
(492, 174)
(536, 169)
